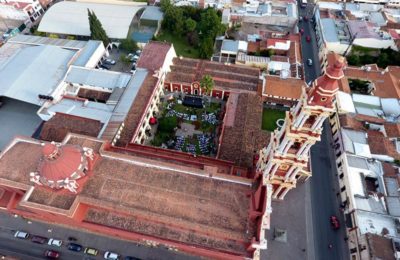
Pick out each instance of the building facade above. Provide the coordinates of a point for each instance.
(285, 161)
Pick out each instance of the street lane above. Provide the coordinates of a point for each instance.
(25, 248)
(324, 183)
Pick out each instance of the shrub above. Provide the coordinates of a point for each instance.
(167, 124)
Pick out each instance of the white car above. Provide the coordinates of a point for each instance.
(109, 61)
(111, 255)
(309, 62)
(54, 242)
(21, 235)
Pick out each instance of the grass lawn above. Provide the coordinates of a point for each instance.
(269, 118)
(181, 46)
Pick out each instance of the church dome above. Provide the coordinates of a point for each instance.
(61, 165)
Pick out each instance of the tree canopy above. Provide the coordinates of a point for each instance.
(200, 26)
(128, 45)
(97, 31)
(207, 83)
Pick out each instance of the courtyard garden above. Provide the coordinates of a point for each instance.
(269, 118)
(188, 127)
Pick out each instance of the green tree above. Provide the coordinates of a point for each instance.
(207, 83)
(353, 60)
(206, 48)
(97, 31)
(167, 124)
(128, 45)
(173, 20)
(190, 25)
(383, 60)
(165, 5)
(210, 23)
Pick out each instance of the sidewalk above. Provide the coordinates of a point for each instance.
(293, 215)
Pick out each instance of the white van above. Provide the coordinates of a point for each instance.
(21, 235)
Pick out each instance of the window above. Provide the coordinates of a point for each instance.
(341, 176)
(323, 99)
(343, 188)
(339, 164)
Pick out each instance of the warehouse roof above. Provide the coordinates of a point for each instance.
(97, 78)
(32, 71)
(72, 18)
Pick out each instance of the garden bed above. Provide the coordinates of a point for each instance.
(269, 118)
(188, 129)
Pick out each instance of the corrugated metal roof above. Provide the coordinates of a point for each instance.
(32, 71)
(357, 162)
(91, 110)
(152, 13)
(71, 18)
(97, 78)
(329, 30)
(86, 53)
(38, 40)
(125, 102)
(393, 204)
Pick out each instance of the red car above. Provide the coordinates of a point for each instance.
(308, 38)
(334, 222)
(51, 254)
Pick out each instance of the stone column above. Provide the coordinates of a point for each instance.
(275, 195)
(282, 196)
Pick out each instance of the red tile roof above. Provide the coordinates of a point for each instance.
(137, 109)
(392, 130)
(61, 124)
(244, 136)
(226, 77)
(146, 196)
(153, 55)
(350, 122)
(379, 144)
(287, 88)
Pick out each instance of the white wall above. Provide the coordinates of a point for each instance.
(96, 56)
(336, 47)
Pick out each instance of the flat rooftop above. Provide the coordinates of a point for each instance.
(173, 202)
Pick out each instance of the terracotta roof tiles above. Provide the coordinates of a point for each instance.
(153, 55)
(61, 124)
(287, 88)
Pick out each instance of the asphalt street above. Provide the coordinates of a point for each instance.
(324, 183)
(27, 250)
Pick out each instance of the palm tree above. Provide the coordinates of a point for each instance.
(207, 84)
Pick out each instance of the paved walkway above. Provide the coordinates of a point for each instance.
(187, 130)
(293, 215)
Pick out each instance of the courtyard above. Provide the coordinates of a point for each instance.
(270, 117)
(188, 124)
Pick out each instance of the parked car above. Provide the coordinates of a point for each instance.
(39, 239)
(51, 254)
(130, 56)
(111, 255)
(334, 222)
(104, 66)
(138, 52)
(21, 234)
(301, 31)
(91, 251)
(74, 247)
(300, 18)
(54, 242)
(109, 61)
(308, 38)
(309, 62)
(131, 258)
